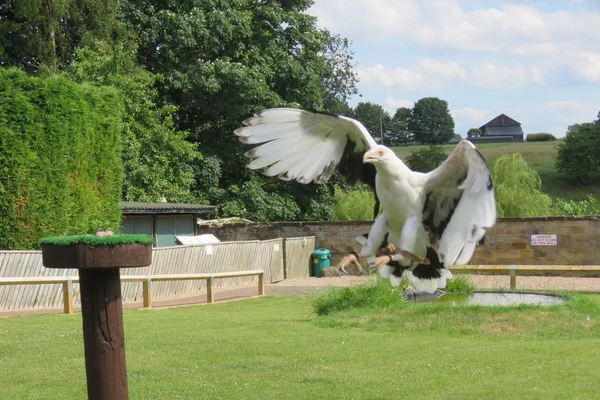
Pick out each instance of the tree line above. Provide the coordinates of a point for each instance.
(188, 73)
(428, 122)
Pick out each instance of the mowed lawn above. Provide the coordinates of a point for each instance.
(539, 155)
(277, 348)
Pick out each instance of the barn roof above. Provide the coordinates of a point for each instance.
(501, 120)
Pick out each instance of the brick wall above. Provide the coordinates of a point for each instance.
(509, 242)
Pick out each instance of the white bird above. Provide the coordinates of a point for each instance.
(451, 206)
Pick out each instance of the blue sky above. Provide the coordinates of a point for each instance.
(535, 61)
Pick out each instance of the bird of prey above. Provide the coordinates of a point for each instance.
(449, 208)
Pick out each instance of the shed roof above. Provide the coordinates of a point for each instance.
(138, 207)
(501, 120)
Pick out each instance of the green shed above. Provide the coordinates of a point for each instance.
(163, 221)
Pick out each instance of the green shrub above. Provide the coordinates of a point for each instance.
(356, 204)
(540, 137)
(518, 188)
(584, 207)
(459, 284)
(60, 158)
(376, 293)
(426, 160)
(578, 154)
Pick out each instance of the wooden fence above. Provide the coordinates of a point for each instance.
(67, 284)
(268, 255)
(529, 270)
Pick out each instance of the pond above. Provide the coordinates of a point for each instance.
(490, 298)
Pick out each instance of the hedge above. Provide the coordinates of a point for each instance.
(60, 158)
(540, 137)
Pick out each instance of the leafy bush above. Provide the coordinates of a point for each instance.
(356, 204)
(60, 158)
(584, 207)
(426, 160)
(540, 137)
(518, 188)
(459, 284)
(376, 293)
(578, 153)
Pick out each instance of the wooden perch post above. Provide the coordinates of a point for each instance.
(101, 308)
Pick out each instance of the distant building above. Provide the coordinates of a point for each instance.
(500, 129)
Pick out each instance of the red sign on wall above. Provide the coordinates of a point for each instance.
(544, 240)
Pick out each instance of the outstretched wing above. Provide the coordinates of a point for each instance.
(459, 204)
(308, 146)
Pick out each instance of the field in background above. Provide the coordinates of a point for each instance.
(539, 155)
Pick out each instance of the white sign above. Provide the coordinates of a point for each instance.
(276, 247)
(209, 250)
(544, 240)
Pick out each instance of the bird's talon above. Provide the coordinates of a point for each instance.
(380, 262)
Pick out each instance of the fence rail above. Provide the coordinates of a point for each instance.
(146, 280)
(267, 255)
(530, 270)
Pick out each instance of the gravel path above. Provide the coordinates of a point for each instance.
(480, 282)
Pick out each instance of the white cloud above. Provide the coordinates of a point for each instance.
(391, 104)
(423, 74)
(555, 116)
(567, 111)
(390, 77)
(470, 113)
(504, 76)
(586, 64)
(372, 18)
(445, 23)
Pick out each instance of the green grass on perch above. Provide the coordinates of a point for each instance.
(93, 240)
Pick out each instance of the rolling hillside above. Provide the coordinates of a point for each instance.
(539, 155)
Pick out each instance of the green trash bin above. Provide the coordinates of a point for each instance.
(321, 260)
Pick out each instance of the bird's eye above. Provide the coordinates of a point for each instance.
(380, 153)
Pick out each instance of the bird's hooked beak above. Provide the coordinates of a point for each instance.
(367, 157)
(370, 156)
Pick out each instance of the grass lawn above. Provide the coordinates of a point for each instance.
(278, 348)
(539, 155)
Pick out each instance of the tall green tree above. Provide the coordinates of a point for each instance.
(374, 118)
(42, 35)
(399, 127)
(518, 189)
(340, 82)
(223, 60)
(158, 161)
(431, 122)
(578, 154)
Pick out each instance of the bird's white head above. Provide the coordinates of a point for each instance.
(378, 155)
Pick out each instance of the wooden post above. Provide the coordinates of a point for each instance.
(261, 284)
(147, 292)
(67, 289)
(101, 308)
(210, 296)
(513, 277)
(103, 335)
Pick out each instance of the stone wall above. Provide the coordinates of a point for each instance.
(509, 242)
